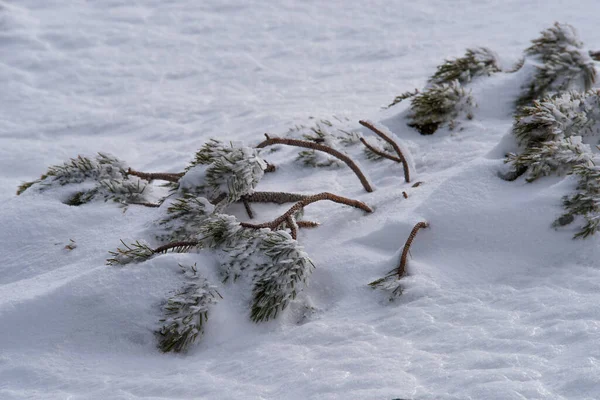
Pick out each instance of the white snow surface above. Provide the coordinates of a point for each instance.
(497, 304)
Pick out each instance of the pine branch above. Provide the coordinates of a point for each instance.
(391, 282)
(438, 105)
(476, 62)
(223, 174)
(186, 313)
(150, 176)
(273, 225)
(316, 146)
(141, 251)
(392, 143)
(134, 252)
(277, 281)
(552, 157)
(402, 97)
(564, 64)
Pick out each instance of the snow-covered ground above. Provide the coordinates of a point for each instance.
(498, 305)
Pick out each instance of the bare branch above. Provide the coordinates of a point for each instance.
(307, 224)
(595, 55)
(291, 222)
(402, 267)
(379, 152)
(248, 208)
(316, 146)
(303, 203)
(385, 137)
(150, 176)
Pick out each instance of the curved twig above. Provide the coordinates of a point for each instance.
(595, 55)
(402, 267)
(316, 146)
(150, 176)
(303, 203)
(385, 137)
(379, 152)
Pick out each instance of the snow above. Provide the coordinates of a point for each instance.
(498, 305)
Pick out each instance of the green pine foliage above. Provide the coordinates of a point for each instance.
(184, 218)
(552, 157)
(130, 253)
(543, 131)
(272, 260)
(223, 173)
(402, 97)
(560, 115)
(101, 178)
(560, 64)
(439, 105)
(186, 312)
(237, 247)
(278, 279)
(389, 284)
(211, 151)
(585, 202)
(479, 61)
(552, 133)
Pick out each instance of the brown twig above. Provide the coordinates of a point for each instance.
(169, 246)
(150, 176)
(247, 207)
(307, 224)
(385, 137)
(595, 55)
(291, 223)
(379, 152)
(303, 203)
(316, 146)
(402, 267)
(270, 168)
(274, 197)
